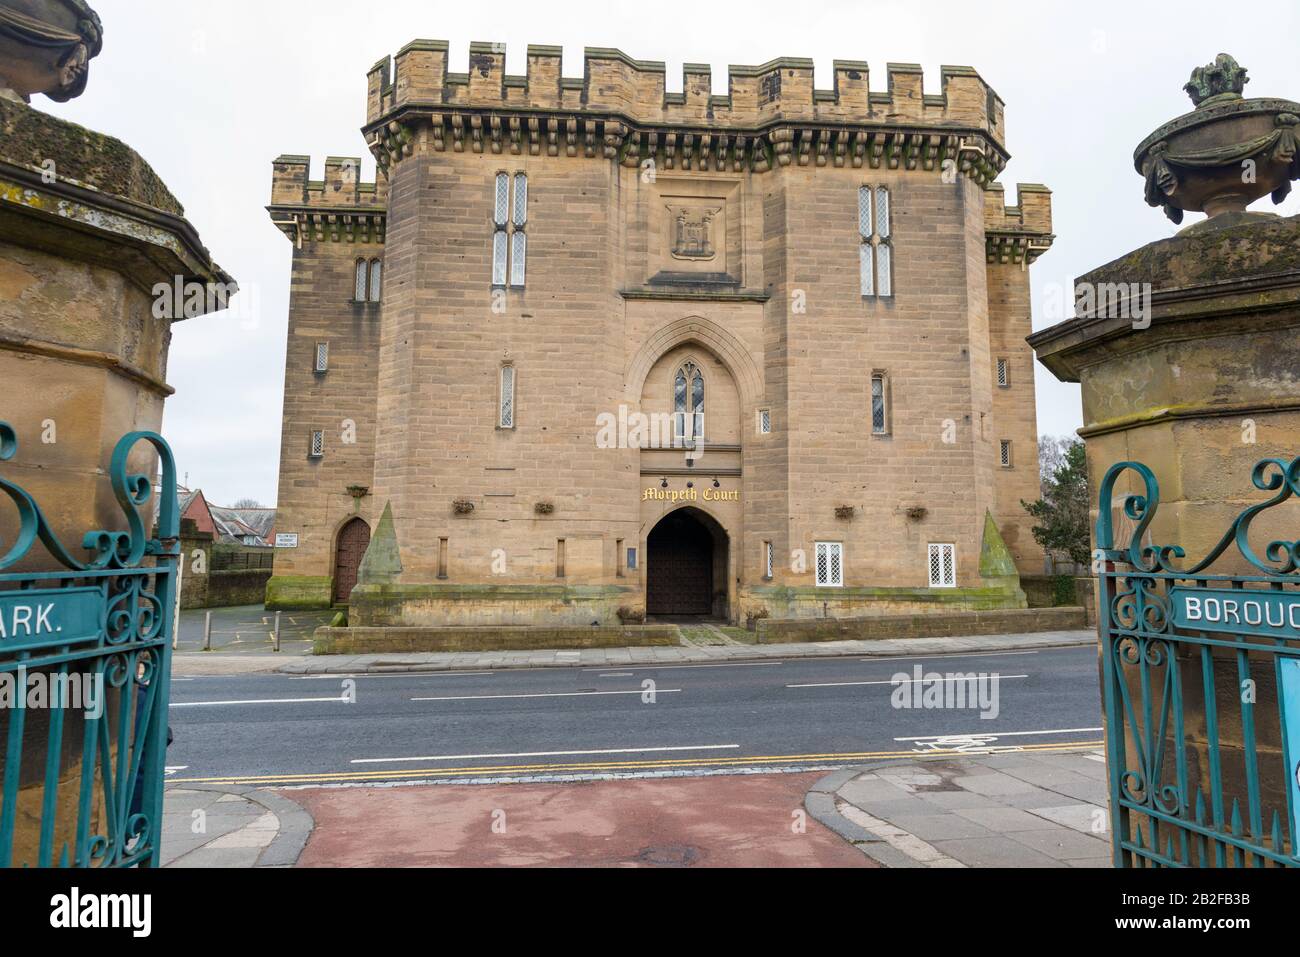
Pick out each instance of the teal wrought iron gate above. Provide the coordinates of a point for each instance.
(85, 668)
(1202, 745)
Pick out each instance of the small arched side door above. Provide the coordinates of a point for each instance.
(353, 540)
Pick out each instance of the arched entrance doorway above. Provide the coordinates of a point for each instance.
(686, 570)
(353, 540)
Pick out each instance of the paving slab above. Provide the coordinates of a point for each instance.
(1078, 817)
(207, 826)
(1062, 843)
(1005, 819)
(938, 827)
(995, 783)
(995, 852)
(972, 811)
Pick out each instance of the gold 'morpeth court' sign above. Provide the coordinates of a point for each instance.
(674, 495)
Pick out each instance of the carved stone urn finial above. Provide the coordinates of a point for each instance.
(1226, 153)
(1224, 79)
(46, 47)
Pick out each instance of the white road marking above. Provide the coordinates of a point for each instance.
(170, 771)
(617, 674)
(974, 654)
(396, 674)
(851, 684)
(998, 734)
(546, 754)
(216, 704)
(562, 694)
(737, 664)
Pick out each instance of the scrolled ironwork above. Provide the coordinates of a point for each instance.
(123, 643)
(108, 548)
(1269, 475)
(1173, 674)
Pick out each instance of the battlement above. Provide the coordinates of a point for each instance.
(339, 208)
(291, 184)
(614, 84)
(1018, 233)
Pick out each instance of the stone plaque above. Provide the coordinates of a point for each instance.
(693, 232)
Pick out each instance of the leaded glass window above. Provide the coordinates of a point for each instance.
(943, 566)
(518, 258)
(509, 240)
(879, 409)
(830, 564)
(502, 200)
(688, 406)
(876, 251)
(507, 419)
(499, 255)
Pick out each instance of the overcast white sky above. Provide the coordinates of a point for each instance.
(211, 93)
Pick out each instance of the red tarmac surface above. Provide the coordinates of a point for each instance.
(725, 821)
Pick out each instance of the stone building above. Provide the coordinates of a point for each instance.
(607, 350)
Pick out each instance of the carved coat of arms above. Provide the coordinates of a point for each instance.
(692, 232)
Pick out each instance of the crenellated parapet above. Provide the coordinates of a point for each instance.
(339, 208)
(1018, 234)
(772, 115)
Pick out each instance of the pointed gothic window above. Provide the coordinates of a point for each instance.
(688, 406)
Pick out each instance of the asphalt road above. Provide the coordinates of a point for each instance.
(463, 726)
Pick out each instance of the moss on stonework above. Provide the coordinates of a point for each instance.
(289, 592)
(450, 592)
(995, 558)
(30, 138)
(382, 563)
(1255, 247)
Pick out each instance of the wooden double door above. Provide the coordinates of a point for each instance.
(679, 576)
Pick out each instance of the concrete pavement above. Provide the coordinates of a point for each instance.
(1024, 808)
(231, 827)
(212, 663)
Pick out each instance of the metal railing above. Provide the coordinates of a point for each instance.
(88, 649)
(1202, 745)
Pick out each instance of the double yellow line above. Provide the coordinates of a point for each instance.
(362, 777)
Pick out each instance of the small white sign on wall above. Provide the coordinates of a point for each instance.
(286, 540)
